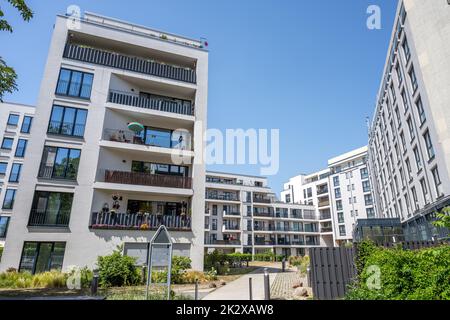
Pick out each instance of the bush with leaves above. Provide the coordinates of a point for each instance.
(404, 274)
(116, 270)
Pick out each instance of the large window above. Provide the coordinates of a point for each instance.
(21, 148)
(8, 201)
(67, 121)
(15, 172)
(74, 84)
(51, 209)
(7, 143)
(370, 213)
(417, 157)
(413, 78)
(4, 221)
(406, 50)
(366, 186)
(337, 193)
(59, 163)
(368, 200)
(364, 173)
(336, 181)
(429, 144)
(338, 205)
(3, 166)
(39, 257)
(437, 181)
(26, 124)
(13, 120)
(158, 168)
(420, 111)
(342, 230)
(411, 129)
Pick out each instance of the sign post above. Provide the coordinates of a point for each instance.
(159, 257)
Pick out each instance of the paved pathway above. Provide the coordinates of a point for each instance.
(282, 287)
(239, 288)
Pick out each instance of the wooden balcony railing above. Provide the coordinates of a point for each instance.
(147, 179)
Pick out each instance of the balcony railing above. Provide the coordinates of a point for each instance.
(263, 214)
(147, 179)
(231, 228)
(226, 197)
(231, 213)
(309, 215)
(323, 203)
(325, 216)
(159, 104)
(322, 191)
(137, 221)
(49, 218)
(262, 200)
(224, 242)
(326, 229)
(135, 64)
(260, 242)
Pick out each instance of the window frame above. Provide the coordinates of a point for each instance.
(28, 126)
(14, 191)
(67, 91)
(11, 115)
(7, 139)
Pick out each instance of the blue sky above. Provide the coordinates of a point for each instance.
(309, 68)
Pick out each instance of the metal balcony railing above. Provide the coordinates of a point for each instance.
(224, 242)
(135, 64)
(226, 197)
(137, 221)
(147, 179)
(159, 104)
(49, 218)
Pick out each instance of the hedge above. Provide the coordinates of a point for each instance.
(404, 274)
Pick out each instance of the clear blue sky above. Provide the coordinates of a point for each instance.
(310, 68)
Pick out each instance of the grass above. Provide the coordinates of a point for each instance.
(138, 293)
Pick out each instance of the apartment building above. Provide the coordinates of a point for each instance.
(118, 104)
(242, 214)
(340, 193)
(15, 125)
(409, 143)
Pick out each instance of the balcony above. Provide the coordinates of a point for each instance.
(137, 221)
(311, 215)
(325, 215)
(263, 214)
(224, 242)
(326, 229)
(323, 203)
(49, 218)
(225, 197)
(264, 228)
(164, 104)
(147, 179)
(261, 200)
(322, 190)
(262, 242)
(231, 227)
(129, 63)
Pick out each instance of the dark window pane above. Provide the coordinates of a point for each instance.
(3, 166)
(87, 85)
(8, 201)
(158, 138)
(80, 123)
(73, 162)
(4, 221)
(68, 120)
(26, 124)
(55, 119)
(29, 254)
(63, 82)
(15, 172)
(61, 160)
(21, 147)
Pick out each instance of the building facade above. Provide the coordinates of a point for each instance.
(341, 193)
(15, 125)
(114, 147)
(409, 143)
(242, 214)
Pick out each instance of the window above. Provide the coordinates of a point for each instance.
(7, 143)
(423, 185)
(429, 145)
(38, 257)
(342, 230)
(406, 50)
(159, 168)
(368, 199)
(402, 137)
(437, 181)
(364, 173)
(15, 172)
(399, 73)
(337, 193)
(394, 96)
(214, 224)
(366, 186)
(67, 121)
(74, 84)
(408, 167)
(21, 148)
(287, 198)
(26, 124)
(340, 217)
(8, 201)
(338, 205)
(420, 111)
(13, 120)
(411, 129)
(405, 100)
(309, 192)
(4, 222)
(3, 166)
(51, 209)
(416, 200)
(413, 78)
(370, 213)
(397, 114)
(59, 163)
(417, 157)
(336, 181)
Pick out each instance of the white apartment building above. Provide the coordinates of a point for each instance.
(242, 214)
(409, 144)
(341, 194)
(117, 100)
(15, 125)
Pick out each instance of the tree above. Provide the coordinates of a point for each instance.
(443, 218)
(8, 76)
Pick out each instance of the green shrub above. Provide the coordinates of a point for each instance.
(49, 279)
(116, 270)
(1, 252)
(405, 274)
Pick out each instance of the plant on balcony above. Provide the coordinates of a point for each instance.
(144, 226)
